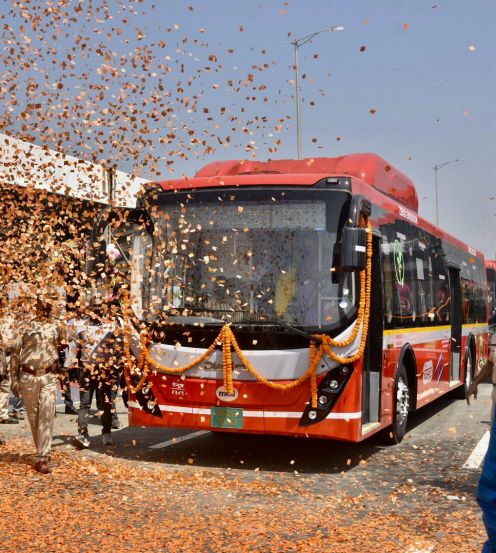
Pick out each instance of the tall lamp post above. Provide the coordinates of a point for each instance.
(436, 169)
(297, 43)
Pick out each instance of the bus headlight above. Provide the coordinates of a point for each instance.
(330, 389)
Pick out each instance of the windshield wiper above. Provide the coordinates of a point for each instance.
(187, 320)
(283, 324)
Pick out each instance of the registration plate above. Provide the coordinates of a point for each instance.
(226, 417)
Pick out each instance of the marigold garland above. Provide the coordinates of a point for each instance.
(228, 342)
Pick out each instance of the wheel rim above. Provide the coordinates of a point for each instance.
(402, 402)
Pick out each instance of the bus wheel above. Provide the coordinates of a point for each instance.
(401, 407)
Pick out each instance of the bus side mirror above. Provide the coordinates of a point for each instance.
(353, 249)
(96, 253)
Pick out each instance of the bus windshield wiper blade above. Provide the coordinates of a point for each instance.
(191, 319)
(283, 324)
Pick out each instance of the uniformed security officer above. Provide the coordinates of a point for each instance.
(35, 360)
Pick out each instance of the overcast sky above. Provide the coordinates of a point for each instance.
(411, 81)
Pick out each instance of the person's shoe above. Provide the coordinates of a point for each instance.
(17, 415)
(9, 420)
(82, 440)
(107, 439)
(70, 410)
(43, 467)
(116, 424)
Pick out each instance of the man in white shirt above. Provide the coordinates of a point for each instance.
(101, 354)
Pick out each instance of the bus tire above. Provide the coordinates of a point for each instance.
(461, 392)
(401, 407)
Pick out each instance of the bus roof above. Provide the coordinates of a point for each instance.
(370, 168)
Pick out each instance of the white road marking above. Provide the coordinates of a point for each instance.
(175, 441)
(477, 455)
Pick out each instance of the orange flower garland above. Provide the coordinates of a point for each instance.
(228, 342)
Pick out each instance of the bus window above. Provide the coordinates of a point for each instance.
(423, 275)
(403, 289)
(440, 281)
(491, 291)
(443, 299)
(388, 283)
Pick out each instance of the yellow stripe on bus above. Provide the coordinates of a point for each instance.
(416, 329)
(429, 328)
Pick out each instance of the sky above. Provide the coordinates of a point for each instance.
(163, 87)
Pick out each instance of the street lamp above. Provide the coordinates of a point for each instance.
(297, 43)
(436, 169)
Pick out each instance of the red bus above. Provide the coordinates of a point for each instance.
(298, 297)
(491, 292)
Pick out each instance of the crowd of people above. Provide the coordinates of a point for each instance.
(40, 352)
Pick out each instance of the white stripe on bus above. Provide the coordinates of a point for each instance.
(249, 413)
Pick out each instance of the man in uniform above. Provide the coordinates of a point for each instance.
(34, 363)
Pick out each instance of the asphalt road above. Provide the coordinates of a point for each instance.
(440, 439)
(425, 476)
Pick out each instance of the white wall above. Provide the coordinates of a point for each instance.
(25, 164)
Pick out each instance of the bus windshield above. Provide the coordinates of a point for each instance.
(251, 256)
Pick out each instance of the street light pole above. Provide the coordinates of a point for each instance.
(297, 96)
(297, 43)
(436, 169)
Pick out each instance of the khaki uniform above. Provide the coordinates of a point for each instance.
(37, 344)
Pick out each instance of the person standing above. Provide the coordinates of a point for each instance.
(34, 368)
(486, 491)
(7, 323)
(487, 371)
(4, 394)
(4, 387)
(101, 359)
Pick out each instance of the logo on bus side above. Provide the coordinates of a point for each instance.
(427, 372)
(408, 215)
(224, 396)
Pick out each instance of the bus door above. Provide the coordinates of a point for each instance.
(456, 322)
(372, 367)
